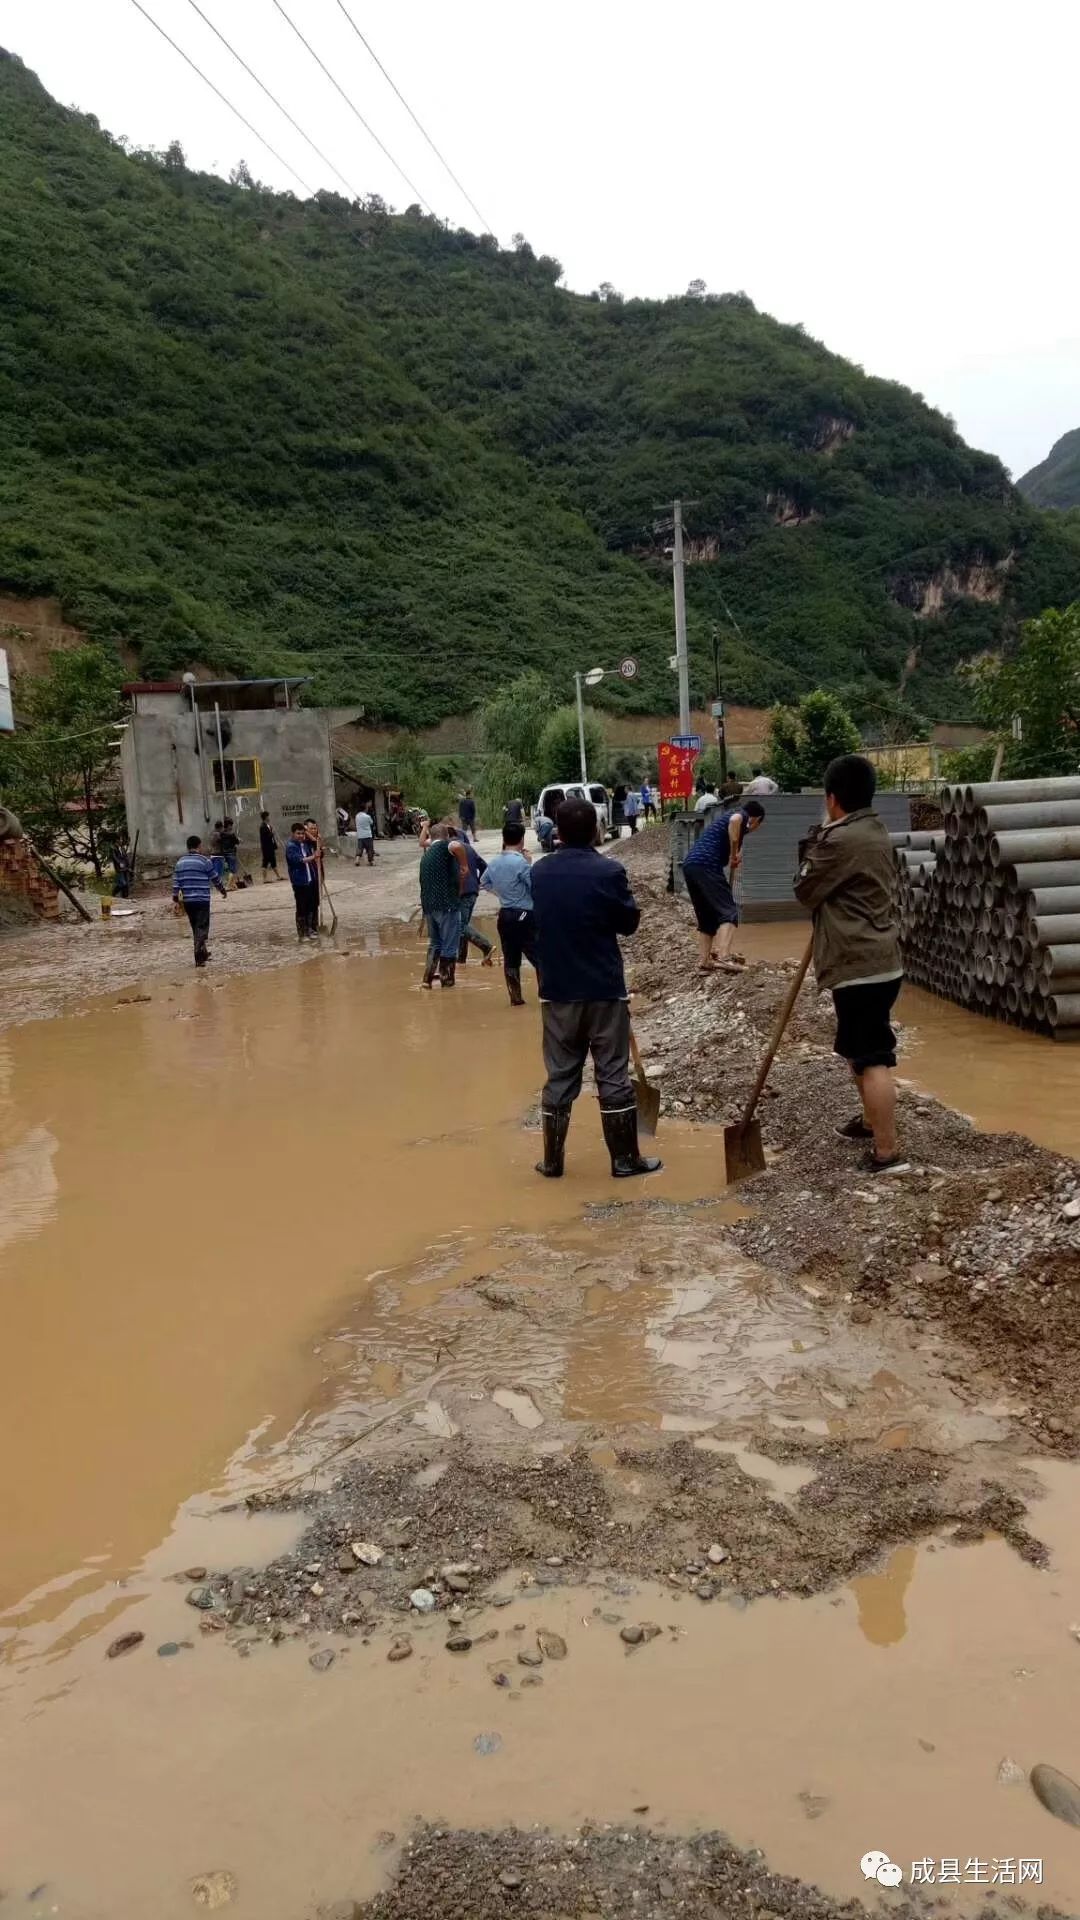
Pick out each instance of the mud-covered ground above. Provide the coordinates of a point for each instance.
(983, 1235)
(47, 968)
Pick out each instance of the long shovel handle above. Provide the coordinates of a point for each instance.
(635, 1054)
(778, 1034)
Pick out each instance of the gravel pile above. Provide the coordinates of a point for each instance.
(610, 1870)
(397, 1541)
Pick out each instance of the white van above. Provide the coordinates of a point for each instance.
(551, 800)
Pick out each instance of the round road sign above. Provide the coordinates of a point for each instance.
(628, 669)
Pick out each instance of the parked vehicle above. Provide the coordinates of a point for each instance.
(551, 799)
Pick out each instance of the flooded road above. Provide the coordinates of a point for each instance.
(245, 1220)
(813, 1729)
(193, 1189)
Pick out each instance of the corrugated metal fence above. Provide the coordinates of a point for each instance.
(772, 852)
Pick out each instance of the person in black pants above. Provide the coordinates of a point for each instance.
(302, 858)
(193, 877)
(509, 878)
(582, 903)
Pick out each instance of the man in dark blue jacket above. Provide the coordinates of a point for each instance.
(582, 904)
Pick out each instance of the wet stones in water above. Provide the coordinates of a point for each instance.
(214, 1890)
(551, 1645)
(533, 1680)
(1009, 1774)
(458, 1643)
(195, 1573)
(203, 1598)
(422, 1599)
(456, 1582)
(487, 1742)
(1059, 1795)
(126, 1644)
(168, 1648)
(705, 1590)
(400, 1648)
(500, 1679)
(637, 1634)
(527, 1658)
(814, 1804)
(324, 1658)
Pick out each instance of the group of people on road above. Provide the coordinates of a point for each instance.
(565, 915)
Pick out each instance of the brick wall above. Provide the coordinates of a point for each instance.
(21, 876)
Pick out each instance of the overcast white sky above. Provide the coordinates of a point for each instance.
(900, 178)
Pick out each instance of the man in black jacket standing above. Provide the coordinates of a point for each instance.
(582, 902)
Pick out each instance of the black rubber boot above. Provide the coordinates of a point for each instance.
(620, 1133)
(513, 986)
(463, 951)
(447, 972)
(430, 970)
(556, 1125)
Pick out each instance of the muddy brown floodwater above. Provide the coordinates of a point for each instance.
(1006, 1080)
(242, 1219)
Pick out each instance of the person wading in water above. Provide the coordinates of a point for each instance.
(443, 869)
(582, 902)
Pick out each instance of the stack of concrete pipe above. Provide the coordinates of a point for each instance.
(990, 907)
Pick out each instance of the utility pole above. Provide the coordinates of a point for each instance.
(581, 727)
(680, 624)
(718, 704)
(682, 663)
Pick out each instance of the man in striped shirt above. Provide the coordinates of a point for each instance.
(193, 877)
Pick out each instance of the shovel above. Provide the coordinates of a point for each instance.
(646, 1095)
(743, 1151)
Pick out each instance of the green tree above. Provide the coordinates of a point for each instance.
(802, 740)
(1036, 690)
(511, 729)
(58, 771)
(560, 750)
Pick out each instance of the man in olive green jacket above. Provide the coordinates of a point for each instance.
(847, 879)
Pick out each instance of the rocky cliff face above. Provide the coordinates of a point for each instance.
(1055, 482)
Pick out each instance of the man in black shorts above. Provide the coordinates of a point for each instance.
(847, 879)
(705, 871)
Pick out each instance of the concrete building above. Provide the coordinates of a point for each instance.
(196, 750)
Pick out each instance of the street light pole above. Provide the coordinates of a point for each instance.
(581, 727)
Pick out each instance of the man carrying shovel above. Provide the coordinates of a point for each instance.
(846, 878)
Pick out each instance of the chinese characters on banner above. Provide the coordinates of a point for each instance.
(676, 771)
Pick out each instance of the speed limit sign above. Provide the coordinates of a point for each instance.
(628, 669)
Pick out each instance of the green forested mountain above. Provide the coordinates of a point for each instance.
(311, 437)
(1055, 482)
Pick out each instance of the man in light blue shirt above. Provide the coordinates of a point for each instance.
(509, 878)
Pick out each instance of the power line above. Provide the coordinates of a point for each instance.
(275, 101)
(486, 224)
(222, 97)
(415, 191)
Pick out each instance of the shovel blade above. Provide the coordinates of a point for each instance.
(743, 1152)
(648, 1105)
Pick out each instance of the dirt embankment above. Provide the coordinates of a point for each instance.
(983, 1235)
